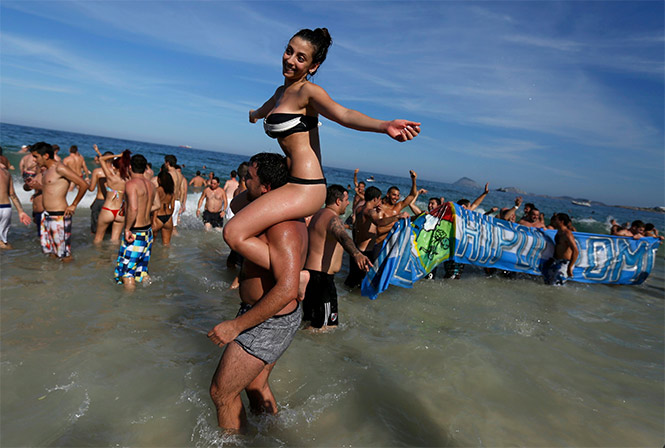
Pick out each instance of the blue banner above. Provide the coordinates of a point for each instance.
(452, 232)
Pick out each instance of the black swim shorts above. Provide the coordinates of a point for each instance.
(320, 304)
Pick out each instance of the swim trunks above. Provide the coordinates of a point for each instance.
(269, 340)
(5, 221)
(133, 257)
(213, 219)
(95, 209)
(56, 234)
(282, 125)
(176, 212)
(356, 275)
(555, 272)
(320, 304)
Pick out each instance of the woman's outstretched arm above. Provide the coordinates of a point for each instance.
(400, 130)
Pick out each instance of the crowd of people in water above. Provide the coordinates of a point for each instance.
(278, 215)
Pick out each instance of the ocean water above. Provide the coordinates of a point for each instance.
(473, 362)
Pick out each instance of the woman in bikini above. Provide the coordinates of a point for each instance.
(116, 170)
(291, 116)
(162, 217)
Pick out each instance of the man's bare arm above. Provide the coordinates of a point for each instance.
(480, 198)
(382, 222)
(82, 185)
(336, 227)
(201, 199)
(573, 257)
(413, 193)
(23, 216)
(286, 263)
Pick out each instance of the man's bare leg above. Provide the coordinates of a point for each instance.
(129, 283)
(236, 370)
(261, 399)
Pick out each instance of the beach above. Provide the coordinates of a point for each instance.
(472, 362)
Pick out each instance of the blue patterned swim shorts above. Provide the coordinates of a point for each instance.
(133, 258)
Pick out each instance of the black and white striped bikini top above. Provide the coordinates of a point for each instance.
(280, 125)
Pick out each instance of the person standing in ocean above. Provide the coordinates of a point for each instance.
(391, 206)
(270, 312)
(171, 162)
(558, 269)
(134, 254)
(327, 242)
(291, 116)
(215, 205)
(56, 223)
(7, 193)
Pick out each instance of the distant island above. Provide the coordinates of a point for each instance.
(466, 182)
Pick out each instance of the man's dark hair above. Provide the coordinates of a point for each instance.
(217, 179)
(529, 205)
(563, 217)
(372, 193)
(233, 173)
(394, 187)
(42, 148)
(73, 149)
(242, 170)
(437, 200)
(649, 227)
(637, 223)
(198, 173)
(138, 163)
(362, 182)
(464, 202)
(334, 193)
(271, 168)
(171, 160)
(107, 153)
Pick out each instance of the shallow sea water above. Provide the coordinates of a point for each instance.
(474, 362)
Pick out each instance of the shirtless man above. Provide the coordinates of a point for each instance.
(56, 223)
(134, 254)
(7, 193)
(368, 220)
(269, 314)
(392, 206)
(359, 188)
(97, 181)
(170, 161)
(197, 181)
(230, 187)
(635, 231)
(215, 205)
(559, 268)
(28, 167)
(532, 219)
(76, 163)
(183, 190)
(327, 242)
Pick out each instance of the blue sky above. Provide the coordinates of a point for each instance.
(558, 98)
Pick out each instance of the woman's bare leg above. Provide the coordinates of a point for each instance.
(116, 230)
(105, 218)
(292, 201)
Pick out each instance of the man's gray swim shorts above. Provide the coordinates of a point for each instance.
(270, 339)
